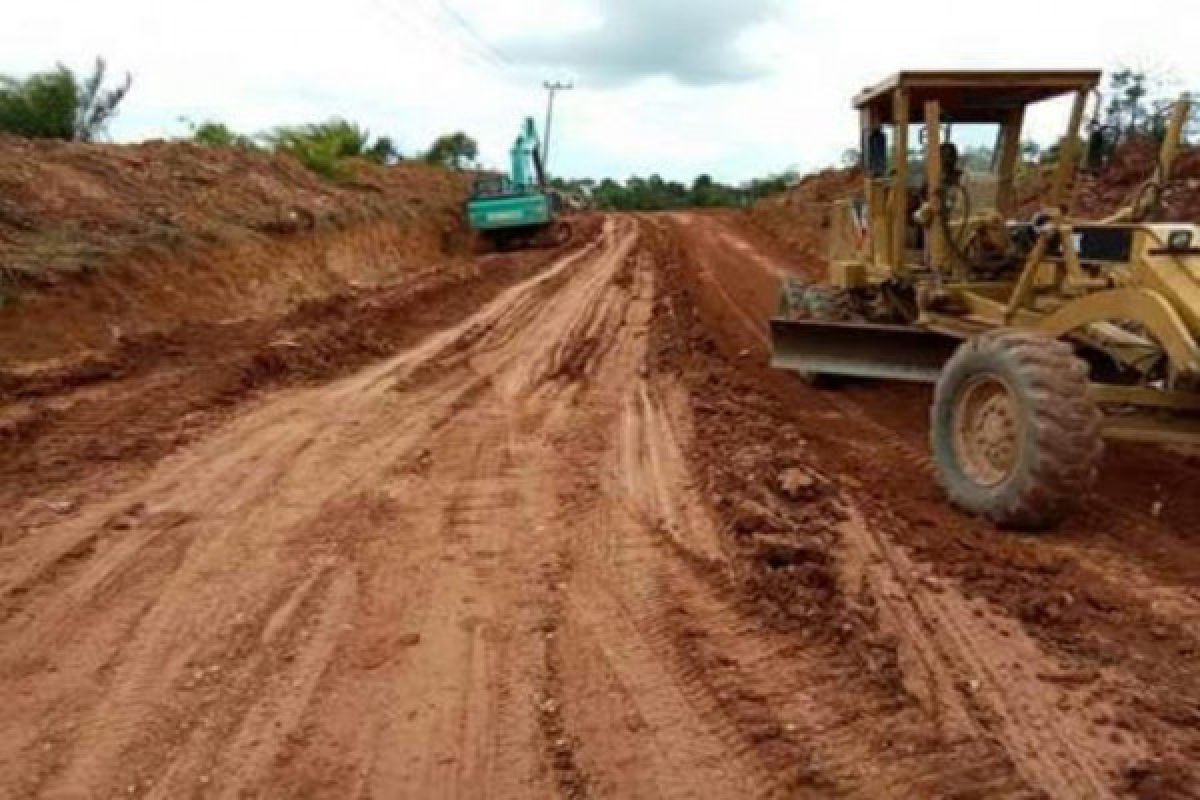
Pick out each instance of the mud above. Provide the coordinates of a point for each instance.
(546, 525)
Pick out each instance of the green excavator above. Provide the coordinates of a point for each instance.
(519, 210)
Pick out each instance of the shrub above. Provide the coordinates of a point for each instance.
(324, 147)
(453, 150)
(218, 134)
(58, 105)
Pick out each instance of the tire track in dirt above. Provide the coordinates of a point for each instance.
(966, 659)
(345, 599)
(539, 552)
(275, 500)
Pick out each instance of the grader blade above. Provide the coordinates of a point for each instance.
(861, 350)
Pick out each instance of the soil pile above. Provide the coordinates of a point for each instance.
(99, 242)
(71, 207)
(799, 218)
(1131, 166)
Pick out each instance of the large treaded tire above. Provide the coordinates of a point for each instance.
(1057, 442)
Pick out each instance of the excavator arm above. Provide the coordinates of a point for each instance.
(527, 170)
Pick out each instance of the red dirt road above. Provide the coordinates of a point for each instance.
(537, 545)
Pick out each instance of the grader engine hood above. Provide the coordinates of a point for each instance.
(1169, 262)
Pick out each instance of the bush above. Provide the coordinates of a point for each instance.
(218, 134)
(453, 151)
(58, 105)
(324, 147)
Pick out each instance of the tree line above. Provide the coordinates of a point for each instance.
(62, 104)
(326, 147)
(653, 193)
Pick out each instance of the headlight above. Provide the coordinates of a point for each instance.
(1179, 240)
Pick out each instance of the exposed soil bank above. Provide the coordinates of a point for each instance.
(100, 242)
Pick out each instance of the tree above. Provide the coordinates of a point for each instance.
(655, 194)
(1140, 104)
(453, 150)
(705, 192)
(96, 106)
(384, 151)
(58, 105)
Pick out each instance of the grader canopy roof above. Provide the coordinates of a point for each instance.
(973, 96)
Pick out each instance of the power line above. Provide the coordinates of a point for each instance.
(461, 22)
(432, 30)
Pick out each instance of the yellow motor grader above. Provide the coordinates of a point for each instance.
(1044, 334)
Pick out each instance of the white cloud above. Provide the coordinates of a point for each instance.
(416, 68)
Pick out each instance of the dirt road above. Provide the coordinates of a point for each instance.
(571, 540)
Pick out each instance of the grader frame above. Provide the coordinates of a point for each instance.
(1124, 286)
(1043, 335)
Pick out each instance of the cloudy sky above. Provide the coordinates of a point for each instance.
(735, 88)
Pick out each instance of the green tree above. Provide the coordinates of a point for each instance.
(705, 192)
(1140, 104)
(59, 105)
(1127, 92)
(383, 151)
(655, 194)
(453, 150)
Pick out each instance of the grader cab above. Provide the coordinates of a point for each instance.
(1043, 333)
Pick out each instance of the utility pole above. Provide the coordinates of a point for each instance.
(551, 89)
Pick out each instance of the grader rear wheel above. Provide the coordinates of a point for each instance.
(1015, 437)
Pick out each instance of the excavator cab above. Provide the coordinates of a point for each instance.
(519, 209)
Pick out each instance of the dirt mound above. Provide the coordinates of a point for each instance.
(72, 207)
(1117, 184)
(799, 218)
(100, 242)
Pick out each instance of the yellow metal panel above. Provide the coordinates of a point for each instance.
(933, 179)
(848, 274)
(1142, 396)
(1154, 430)
(1010, 154)
(1068, 157)
(900, 180)
(1143, 305)
(1176, 277)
